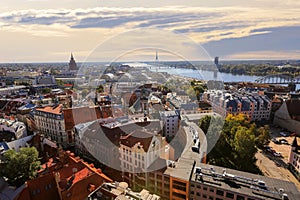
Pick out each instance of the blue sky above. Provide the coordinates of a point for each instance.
(42, 30)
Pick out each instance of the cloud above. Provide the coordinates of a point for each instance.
(213, 23)
(224, 30)
(264, 55)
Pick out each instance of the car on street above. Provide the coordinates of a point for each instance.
(276, 154)
(283, 134)
(275, 141)
(283, 141)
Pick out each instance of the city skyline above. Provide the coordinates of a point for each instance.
(47, 31)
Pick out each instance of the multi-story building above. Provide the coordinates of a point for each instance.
(16, 128)
(66, 178)
(58, 123)
(187, 178)
(138, 150)
(213, 182)
(49, 120)
(256, 106)
(44, 80)
(171, 122)
(294, 159)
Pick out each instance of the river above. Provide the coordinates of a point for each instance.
(206, 75)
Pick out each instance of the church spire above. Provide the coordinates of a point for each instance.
(72, 63)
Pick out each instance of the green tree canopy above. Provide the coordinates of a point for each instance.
(19, 167)
(100, 89)
(237, 142)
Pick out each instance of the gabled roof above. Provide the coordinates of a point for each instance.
(51, 109)
(138, 136)
(43, 187)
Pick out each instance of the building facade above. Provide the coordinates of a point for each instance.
(138, 150)
(294, 159)
(50, 121)
(256, 106)
(171, 122)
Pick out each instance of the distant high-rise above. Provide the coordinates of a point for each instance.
(156, 56)
(72, 63)
(217, 61)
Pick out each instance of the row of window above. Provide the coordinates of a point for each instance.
(213, 191)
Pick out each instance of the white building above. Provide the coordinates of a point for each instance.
(171, 120)
(16, 127)
(294, 159)
(44, 80)
(50, 121)
(138, 150)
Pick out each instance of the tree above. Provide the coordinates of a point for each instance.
(19, 167)
(237, 141)
(100, 89)
(204, 123)
(262, 136)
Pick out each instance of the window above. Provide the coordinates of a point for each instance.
(240, 197)
(220, 192)
(211, 190)
(205, 188)
(229, 195)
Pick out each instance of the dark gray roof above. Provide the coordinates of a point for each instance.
(245, 183)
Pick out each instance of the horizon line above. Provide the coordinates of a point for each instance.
(133, 61)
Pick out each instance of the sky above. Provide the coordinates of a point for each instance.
(98, 30)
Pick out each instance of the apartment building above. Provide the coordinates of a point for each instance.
(217, 183)
(138, 150)
(256, 106)
(171, 122)
(58, 123)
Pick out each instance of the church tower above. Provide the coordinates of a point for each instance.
(72, 64)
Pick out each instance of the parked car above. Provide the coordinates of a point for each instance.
(275, 141)
(283, 141)
(276, 154)
(283, 134)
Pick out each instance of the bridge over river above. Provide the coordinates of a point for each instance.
(279, 79)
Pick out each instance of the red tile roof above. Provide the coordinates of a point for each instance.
(74, 116)
(76, 180)
(43, 187)
(52, 109)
